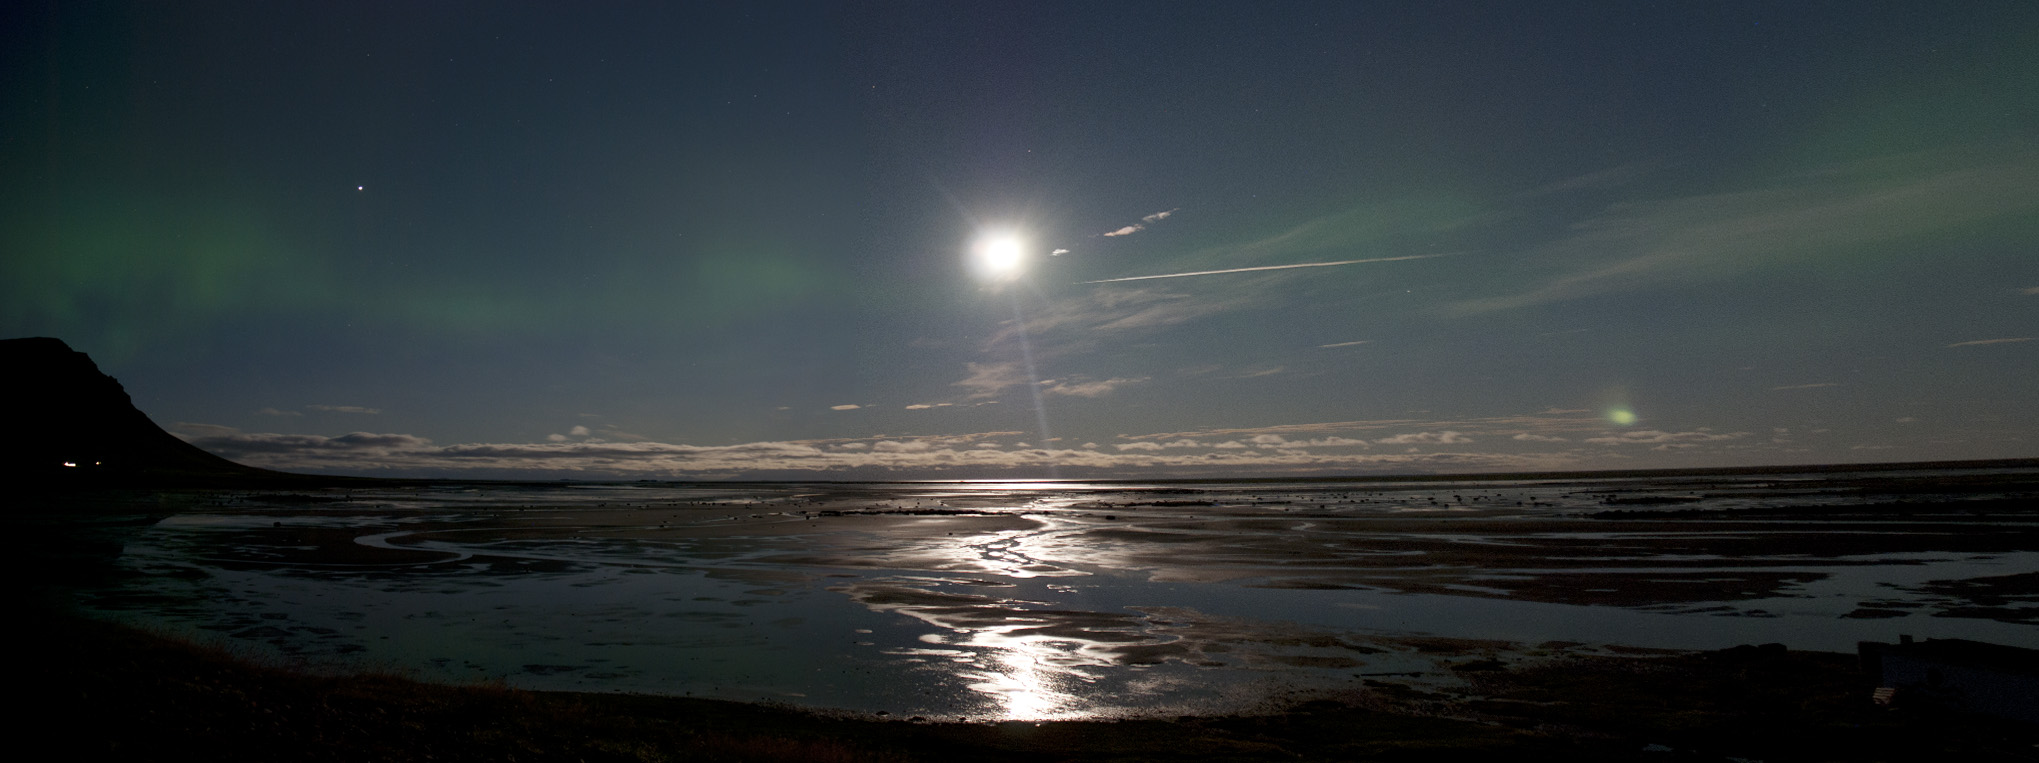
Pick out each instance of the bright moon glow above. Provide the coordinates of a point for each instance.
(1000, 256)
(1621, 416)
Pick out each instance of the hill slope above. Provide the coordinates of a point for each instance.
(73, 424)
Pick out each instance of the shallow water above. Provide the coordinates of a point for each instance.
(1062, 600)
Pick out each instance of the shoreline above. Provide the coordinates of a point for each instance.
(151, 697)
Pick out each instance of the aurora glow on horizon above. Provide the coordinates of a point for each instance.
(1009, 241)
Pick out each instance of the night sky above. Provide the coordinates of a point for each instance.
(634, 240)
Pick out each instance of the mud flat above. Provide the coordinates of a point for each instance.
(1045, 601)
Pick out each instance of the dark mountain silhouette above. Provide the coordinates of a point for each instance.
(72, 424)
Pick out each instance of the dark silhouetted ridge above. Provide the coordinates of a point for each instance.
(72, 424)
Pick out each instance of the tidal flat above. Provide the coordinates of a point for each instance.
(1000, 601)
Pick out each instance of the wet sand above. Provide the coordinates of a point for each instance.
(1040, 601)
(146, 698)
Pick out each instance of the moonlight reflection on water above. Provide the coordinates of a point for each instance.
(1040, 601)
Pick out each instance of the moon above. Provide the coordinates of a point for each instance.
(1000, 256)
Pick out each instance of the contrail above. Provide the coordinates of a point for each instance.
(1273, 267)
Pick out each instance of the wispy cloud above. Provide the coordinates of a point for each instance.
(845, 407)
(1651, 436)
(1607, 178)
(989, 379)
(254, 447)
(1346, 344)
(1973, 342)
(1832, 213)
(1552, 422)
(363, 452)
(1137, 227)
(1078, 323)
(275, 412)
(577, 431)
(343, 409)
(1058, 252)
(1087, 389)
(1426, 438)
(1269, 267)
(2029, 290)
(1806, 386)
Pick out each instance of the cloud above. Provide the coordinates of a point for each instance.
(577, 431)
(1527, 437)
(1553, 420)
(1426, 438)
(1805, 386)
(1836, 212)
(926, 406)
(1135, 227)
(275, 412)
(1652, 436)
(343, 409)
(1082, 322)
(899, 446)
(989, 379)
(1300, 449)
(1332, 442)
(1269, 267)
(238, 445)
(845, 407)
(2029, 290)
(1973, 342)
(1607, 178)
(1089, 389)
(190, 430)
(1345, 344)
(1058, 253)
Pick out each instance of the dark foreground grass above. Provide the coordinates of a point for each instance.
(102, 692)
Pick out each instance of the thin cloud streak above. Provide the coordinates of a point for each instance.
(1270, 267)
(1973, 342)
(1832, 213)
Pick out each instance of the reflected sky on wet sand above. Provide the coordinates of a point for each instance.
(1042, 601)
